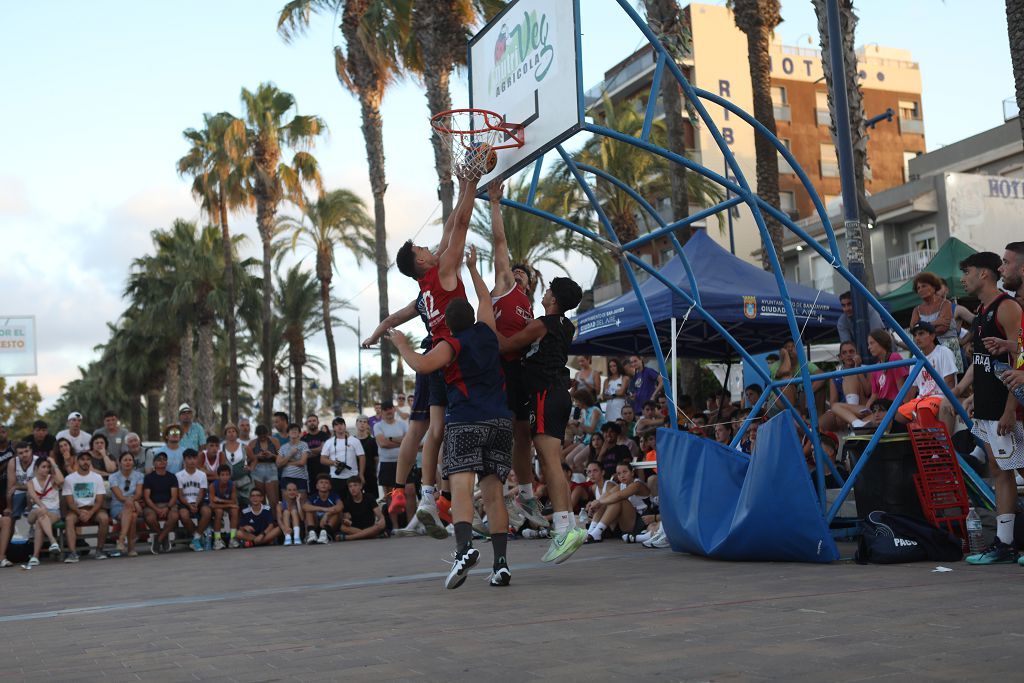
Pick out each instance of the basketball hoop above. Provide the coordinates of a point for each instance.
(473, 137)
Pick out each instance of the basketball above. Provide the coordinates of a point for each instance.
(482, 155)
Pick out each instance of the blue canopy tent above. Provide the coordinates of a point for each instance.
(741, 296)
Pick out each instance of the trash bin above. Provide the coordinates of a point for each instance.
(887, 481)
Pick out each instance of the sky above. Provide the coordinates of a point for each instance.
(99, 94)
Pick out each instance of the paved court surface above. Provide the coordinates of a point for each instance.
(375, 610)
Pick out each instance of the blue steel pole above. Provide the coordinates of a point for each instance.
(847, 174)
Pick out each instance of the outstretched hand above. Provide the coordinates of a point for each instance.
(495, 190)
(369, 341)
(471, 258)
(398, 338)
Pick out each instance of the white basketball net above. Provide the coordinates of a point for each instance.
(471, 138)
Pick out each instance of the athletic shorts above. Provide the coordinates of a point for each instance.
(1008, 450)
(386, 474)
(484, 448)
(420, 409)
(438, 389)
(303, 484)
(340, 486)
(928, 404)
(184, 510)
(264, 472)
(549, 412)
(518, 398)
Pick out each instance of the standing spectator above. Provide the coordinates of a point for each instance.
(193, 512)
(126, 502)
(261, 454)
(44, 494)
(362, 517)
(160, 497)
(926, 394)
(41, 440)
(173, 449)
(377, 415)
(934, 308)
(257, 525)
(343, 455)
(389, 433)
(289, 514)
(133, 445)
(74, 433)
(322, 512)
(586, 377)
(6, 455)
(369, 474)
(845, 324)
(752, 392)
(83, 495)
(245, 430)
(193, 435)
(314, 440)
(291, 458)
(280, 423)
(114, 433)
(224, 500)
(614, 390)
(643, 384)
(102, 463)
(233, 454)
(20, 469)
(402, 411)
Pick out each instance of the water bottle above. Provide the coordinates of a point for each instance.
(975, 537)
(207, 540)
(533, 533)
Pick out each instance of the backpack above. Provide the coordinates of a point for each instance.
(890, 538)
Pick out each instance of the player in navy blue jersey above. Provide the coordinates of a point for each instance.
(478, 435)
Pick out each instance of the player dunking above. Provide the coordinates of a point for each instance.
(513, 311)
(546, 343)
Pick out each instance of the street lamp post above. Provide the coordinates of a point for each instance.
(359, 365)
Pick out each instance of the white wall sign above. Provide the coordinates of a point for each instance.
(17, 345)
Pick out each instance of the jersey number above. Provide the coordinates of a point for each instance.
(428, 304)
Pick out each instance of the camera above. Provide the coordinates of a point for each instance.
(340, 467)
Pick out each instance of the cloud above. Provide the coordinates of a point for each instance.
(14, 199)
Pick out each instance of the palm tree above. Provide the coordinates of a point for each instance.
(337, 219)
(366, 71)
(856, 251)
(273, 128)
(758, 19)
(1015, 29)
(297, 303)
(217, 163)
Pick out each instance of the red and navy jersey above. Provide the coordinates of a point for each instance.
(512, 312)
(476, 385)
(436, 299)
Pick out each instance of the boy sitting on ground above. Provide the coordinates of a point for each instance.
(257, 526)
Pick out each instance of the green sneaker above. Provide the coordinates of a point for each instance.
(997, 553)
(563, 545)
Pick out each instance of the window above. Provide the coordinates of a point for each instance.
(821, 111)
(787, 202)
(923, 239)
(907, 156)
(910, 117)
(821, 273)
(784, 166)
(829, 161)
(909, 110)
(780, 103)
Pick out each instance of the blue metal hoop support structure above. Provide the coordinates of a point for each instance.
(740, 190)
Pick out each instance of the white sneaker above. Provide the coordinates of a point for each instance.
(427, 517)
(218, 543)
(322, 539)
(658, 540)
(311, 538)
(288, 539)
(33, 561)
(6, 563)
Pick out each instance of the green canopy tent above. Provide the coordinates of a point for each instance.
(945, 264)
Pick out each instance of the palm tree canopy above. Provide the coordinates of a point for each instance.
(337, 219)
(217, 162)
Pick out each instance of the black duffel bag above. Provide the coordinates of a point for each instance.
(889, 538)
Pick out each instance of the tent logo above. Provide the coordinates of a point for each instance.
(750, 307)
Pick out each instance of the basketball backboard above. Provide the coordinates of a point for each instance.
(525, 65)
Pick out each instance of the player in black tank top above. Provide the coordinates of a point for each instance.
(989, 391)
(544, 363)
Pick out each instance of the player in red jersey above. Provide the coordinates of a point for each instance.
(513, 311)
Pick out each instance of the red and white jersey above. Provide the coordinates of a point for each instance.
(436, 299)
(513, 311)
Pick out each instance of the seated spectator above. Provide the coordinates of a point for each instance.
(628, 421)
(622, 509)
(788, 366)
(650, 450)
(726, 409)
(700, 426)
(193, 512)
(257, 525)
(20, 470)
(685, 409)
(44, 495)
(43, 442)
(65, 457)
(83, 495)
(6, 526)
(323, 513)
(210, 458)
(615, 449)
(926, 395)
(852, 390)
(362, 517)
(160, 504)
(724, 433)
(224, 500)
(885, 384)
(589, 423)
(126, 502)
(261, 454)
(172, 448)
(829, 444)
(133, 445)
(289, 514)
(115, 435)
(581, 455)
(651, 417)
(752, 394)
(291, 459)
(749, 440)
(102, 463)
(596, 486)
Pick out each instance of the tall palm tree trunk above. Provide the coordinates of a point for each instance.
(229, 317)
(135, 413)
(297, 353)
(173, 384)
(856, 248)
(264, 219)
(153, 415)
(323, 271)
(204, 411)
(187, 395)
(1015, 30)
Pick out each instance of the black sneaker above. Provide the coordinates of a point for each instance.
(154, 546)
(997, 553)
(463, 562)
(500, 577)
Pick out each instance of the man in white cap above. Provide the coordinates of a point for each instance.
(79, 439)
(192, 433)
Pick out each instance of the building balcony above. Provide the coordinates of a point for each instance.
(906, 266)
(824, 118)
(782, 112)
(915, 126)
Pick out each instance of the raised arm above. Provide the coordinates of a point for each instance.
(450, 260)
(399, 317)
(485, 309)
(503, 280)
(435, 359)
(446, 231)
(523, 338)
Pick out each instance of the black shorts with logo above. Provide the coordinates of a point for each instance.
(515, 389)
(420, 409)
(438, 389)
(549, 412)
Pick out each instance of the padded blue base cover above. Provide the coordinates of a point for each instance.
(718, 502)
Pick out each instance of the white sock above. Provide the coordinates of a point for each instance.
(1004, 528)
(296, 533)
(593, 525)
(428, 493)
(562, 521)
(526, 491)
(195, 534)
(645, 536)
(599, 530)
